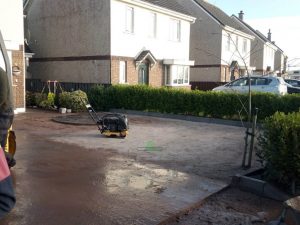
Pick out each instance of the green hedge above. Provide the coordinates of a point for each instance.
(279, 147)
(197, 103)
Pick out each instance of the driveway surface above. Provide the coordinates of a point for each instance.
(71, 175)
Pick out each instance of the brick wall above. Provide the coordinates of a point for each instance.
(156, 73)
(18, 80)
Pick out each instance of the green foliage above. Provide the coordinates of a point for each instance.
(30, 99)
(65, 100)
(197, 103)
(48, 103)
(78, 99)
(34, 99)
(73, 100)
(39, 97)
(50, 98)
(279, 147)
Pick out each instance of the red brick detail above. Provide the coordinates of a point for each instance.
(156, 73)
(18, 79)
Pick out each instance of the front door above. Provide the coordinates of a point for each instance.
(143, 74)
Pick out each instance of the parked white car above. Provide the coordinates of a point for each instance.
(269, 84)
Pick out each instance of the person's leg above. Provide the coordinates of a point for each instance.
(9, 158)
(3, 138)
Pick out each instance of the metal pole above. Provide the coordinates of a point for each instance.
(249, 120)
(253, 134)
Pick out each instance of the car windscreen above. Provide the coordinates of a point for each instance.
(281, 80)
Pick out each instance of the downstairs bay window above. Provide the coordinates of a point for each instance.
(177, 75)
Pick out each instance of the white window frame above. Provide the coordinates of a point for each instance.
(174, 30)
(152, 26)
(122, 72)
(177, 75)
(129, 19)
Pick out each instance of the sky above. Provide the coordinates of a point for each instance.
(281, 16)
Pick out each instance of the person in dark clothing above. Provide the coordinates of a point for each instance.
(7, 195)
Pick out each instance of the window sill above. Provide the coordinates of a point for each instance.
(177, 85)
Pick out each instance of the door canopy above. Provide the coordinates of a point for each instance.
(145, 55)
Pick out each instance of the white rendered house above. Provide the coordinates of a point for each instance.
(111, 41)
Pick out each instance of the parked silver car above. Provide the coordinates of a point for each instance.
(269, 84)
(293, 82)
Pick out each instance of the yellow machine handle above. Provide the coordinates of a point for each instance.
(11, 145)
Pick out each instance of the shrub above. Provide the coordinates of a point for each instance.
(30, 99)
(279, 147)
(49, 102)
(39, 97)
(78, 98)
(65, 100)
(42, 100)
(73, 100)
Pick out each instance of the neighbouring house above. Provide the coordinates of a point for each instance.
(262, 49)
(11, 26)
(280, 64)
(110, 41)
(219, 45)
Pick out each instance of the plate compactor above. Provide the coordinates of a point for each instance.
(110, 125)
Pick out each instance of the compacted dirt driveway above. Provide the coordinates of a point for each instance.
(71, 175)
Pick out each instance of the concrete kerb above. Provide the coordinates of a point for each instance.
(265, 189)
(185, 211)
(74, 118)
(182, 117)
(259, 187)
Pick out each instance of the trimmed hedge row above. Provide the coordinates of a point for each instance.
(197, 103)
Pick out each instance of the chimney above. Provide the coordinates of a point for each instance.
(270, 35)
(241, 15)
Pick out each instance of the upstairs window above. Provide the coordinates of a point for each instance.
(237, 42)
(129, 20)
(174, 30)
(245, 46)
(152, 18)
(228, 42)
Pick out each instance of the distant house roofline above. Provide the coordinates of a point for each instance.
(257, 33)
(220, 16)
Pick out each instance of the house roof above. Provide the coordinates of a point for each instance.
(256, 32)
(220, 16)
(169, 4)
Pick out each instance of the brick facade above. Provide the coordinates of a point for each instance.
(156, 73)
(18, 78)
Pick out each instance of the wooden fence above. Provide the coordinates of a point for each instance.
(36, 85)
(205, 86)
